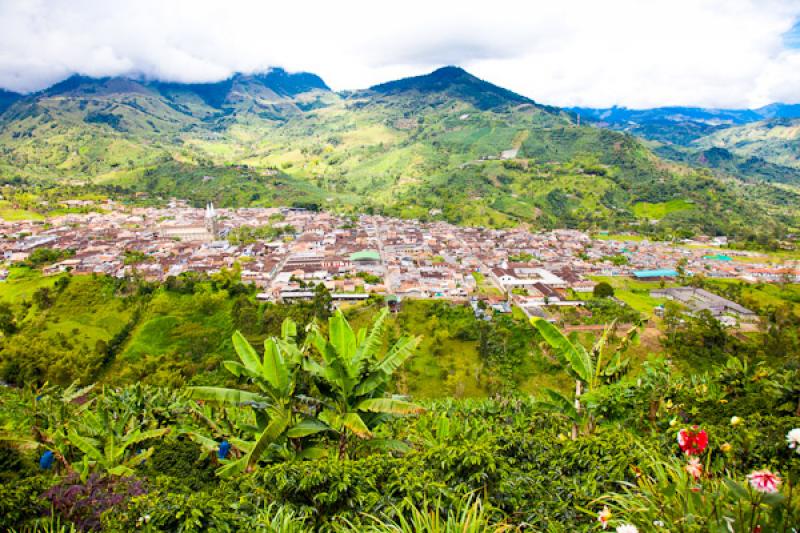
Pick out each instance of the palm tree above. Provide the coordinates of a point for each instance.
(587, 367)
(276, 409)
(352, 374)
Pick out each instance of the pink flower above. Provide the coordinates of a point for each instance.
(604, 516)
(695, 468)
(764, 481)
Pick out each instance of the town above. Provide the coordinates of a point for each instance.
(358, 256)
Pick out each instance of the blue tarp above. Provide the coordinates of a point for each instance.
(661, 273)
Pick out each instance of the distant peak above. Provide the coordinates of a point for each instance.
(449, 70)
(454, 82)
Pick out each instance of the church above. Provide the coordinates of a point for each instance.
(207, 232)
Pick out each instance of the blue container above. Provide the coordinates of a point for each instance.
(224, 448)
(46, 460)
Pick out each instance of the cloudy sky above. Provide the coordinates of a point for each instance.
(638, 53)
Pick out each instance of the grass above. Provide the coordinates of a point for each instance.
(22, 283)
(84, 312)
(484, 286)
(192, 328)
(660, 210)
(763, 295)
(635, 293)
(11, 214)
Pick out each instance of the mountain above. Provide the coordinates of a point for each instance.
(444, 145)
(453, 83)
(776, 140)
(779, 111)
(7, 98)
(752, 144)
(620, 115)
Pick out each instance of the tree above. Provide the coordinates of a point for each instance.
(43, 298)
(322, 302)
(603, 290)
(588, 368)
(8, 324)
(352, 377)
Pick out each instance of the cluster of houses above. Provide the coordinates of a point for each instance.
(354, 257)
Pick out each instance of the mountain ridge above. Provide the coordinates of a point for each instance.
(435, 143)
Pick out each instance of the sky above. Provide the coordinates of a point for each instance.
(634, 53)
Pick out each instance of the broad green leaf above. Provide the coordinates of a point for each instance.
(312, 453)
(389, 405)
(85, 445)
(575, 358)
(397, 355)
(227, 396)
(556, 402)
(121, 470)
(238, 369)
(233, 467)
(306, 427)
(274, 368)
(368, 346)
(356, 425)
(392, 445)
(288, 329)
(246, 353)
(145, 435)
(208, 444)
(342, 337)
(270, 435)
(331, 418)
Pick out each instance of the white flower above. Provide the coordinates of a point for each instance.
(604, 516)
(793, 438)
(658, 523)
(627, 528)
(735, 420)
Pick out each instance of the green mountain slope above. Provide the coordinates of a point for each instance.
(444, 145)
(776, 140)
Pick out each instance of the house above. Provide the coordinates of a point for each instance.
(698, 300)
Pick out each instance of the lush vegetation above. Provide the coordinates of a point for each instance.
(422, 147)
(295, 418)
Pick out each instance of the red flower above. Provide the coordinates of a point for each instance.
(693, 441)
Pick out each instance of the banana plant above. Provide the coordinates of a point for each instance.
(277, 411)
(42, 417)
(352, 372)
(588, 368)
(108, 441)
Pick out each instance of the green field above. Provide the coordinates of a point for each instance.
(635, 293)
(658, 211)
(7, 212)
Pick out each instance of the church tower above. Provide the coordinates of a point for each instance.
(211, 220)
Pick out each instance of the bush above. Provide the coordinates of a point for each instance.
(84, 502)
(603, 290)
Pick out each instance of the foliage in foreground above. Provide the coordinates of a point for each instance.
(658, 450)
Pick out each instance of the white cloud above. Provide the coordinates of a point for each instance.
(572, 52)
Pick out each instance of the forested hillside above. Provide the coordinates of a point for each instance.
(420, 147)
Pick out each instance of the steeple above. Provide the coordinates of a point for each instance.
(211, 220)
